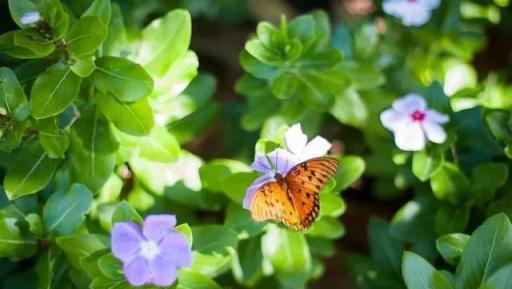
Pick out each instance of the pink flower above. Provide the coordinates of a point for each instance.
(413, 123)
(151, 254)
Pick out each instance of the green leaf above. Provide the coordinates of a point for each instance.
(164, 41)
(332, 205)
(81, 245)
(489, 248)
(419, 274)
(65, 211)
(126, 80)
(235, 185)
(248, 259)
(451, 246)
(116, 40)
(53, 91)
(189, 279)
(211, 265)
(12, 243)
(240, 220)
(83, 66)
(449, 183)
(327, 227)
(110, 266)
(132, 118)
(385, 249)
(54, 12)
(35, 224)
(486, 178)
(101, 9)
(53, 139)
(95, 133)
(414, 221)
(36, 45)
(436, 98)
(187, 231)
(125, 212)
(107, 283)
(424, 164)
(349, 170)
(45, 268)
(30, 173)
(8, 46)
(89, 168)
(451, 219)
(349, 108)
(159, 145)
(12, 96)
(502, 279)
(19, 7)
(213, 238)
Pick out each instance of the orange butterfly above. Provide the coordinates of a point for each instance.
(294, 199)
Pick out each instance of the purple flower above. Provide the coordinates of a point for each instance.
(296, 143)
(153, 253)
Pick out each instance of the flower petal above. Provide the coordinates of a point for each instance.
(410, 103)
(176, 248)
(163, 271)
(126, 237)
(137, 271)
(317, 147)
(249, 193)
(410, 137)
(295, 140)
(156, 226)
(435, 132)
(261, 164)
(283, 160)
(392, 119)
(436, 117)
(416, 16)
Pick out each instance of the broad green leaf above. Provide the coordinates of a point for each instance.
(451, 219)
(489, 248)
(327, 227)
(126, 80)
(44, 268)
(132, 118)
(55, 13)
(101, 9)
(89, 168)
(30, 173)
(385, 249)
(194, 124)
(180, 73)
(451, 246)
(110, 266)
(81, 245)
(349, 170)
(349, 108)
(419, 274)
(332, 205)
(449, 183)
(8, 45)
(189, 279)
(213, 238)
(12, 96)
(486, 178)
(53, 139)
(249, 259)
(35, 224)
(12, 243)
(107, 283)
(158, 146)
(53, 91)
(502, 279)
(82, 66)
(164, 41)
(240, 220)
(287, 251)
(125, 212)
(211, 265)
(116, 40)
(235, 185)
(18, 8)
(65, 211)
(95, 133)
(424, 164)
(38, 46)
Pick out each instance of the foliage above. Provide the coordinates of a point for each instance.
(100, 102)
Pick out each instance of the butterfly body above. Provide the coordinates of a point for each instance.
(294, 197)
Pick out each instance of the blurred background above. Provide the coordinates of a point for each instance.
(220, 29)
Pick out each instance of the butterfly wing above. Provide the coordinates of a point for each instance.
(304, 182)
(271, 202)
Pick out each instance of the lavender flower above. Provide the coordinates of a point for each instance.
(153, 253)
(30, 17)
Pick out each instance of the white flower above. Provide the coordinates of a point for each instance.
(296, 143)
(30, 17)
(411, 12)
(413, 123)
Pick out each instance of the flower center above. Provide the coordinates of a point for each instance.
(149, 249)
(418, 115)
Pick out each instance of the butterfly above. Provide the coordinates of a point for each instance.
(294, 198)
